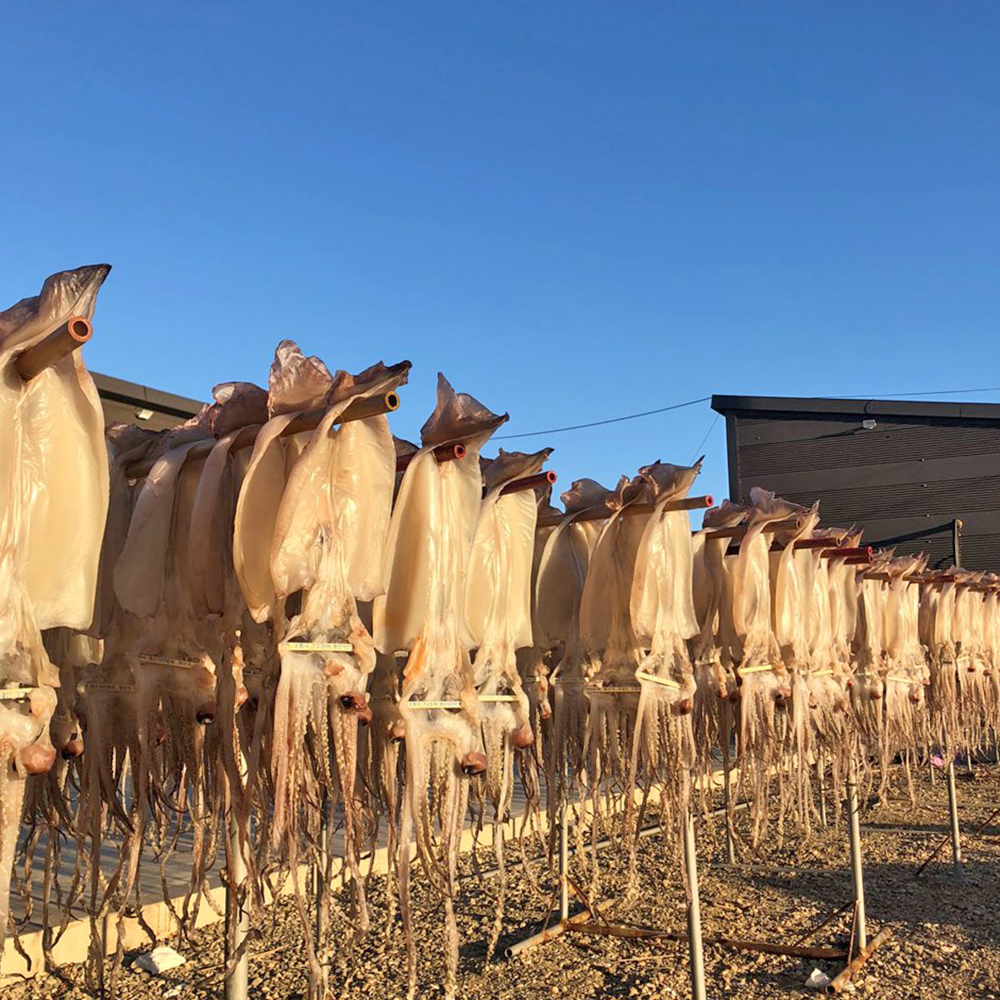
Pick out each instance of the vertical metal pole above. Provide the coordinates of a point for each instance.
(854, 834)
(322, 873)
(237, 915)
(821, 770)
(564, 853)
(956, 841)
(956, 551)
(693, 910)
(726, 792)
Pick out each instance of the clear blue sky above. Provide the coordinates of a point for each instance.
(575, 210)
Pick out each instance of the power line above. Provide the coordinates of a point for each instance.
(705, 399)
(897, 395)
(711, 428)
(601, 423)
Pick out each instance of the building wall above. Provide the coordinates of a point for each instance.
(905, 480)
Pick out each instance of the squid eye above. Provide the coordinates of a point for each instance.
(473, 764)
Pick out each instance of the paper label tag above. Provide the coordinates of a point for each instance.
(759, 669)
(15, 694)
(168, 661)
(318, 647)
(641, 675)
(87, 686)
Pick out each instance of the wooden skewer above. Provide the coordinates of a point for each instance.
(60, 342)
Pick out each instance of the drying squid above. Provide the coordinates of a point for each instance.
(431, 536)
(765, 691)
(498, 620)
(663, 618)
(54, 480)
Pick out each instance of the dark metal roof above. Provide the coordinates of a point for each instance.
(868, 407)
(120, 401)
(905, 471)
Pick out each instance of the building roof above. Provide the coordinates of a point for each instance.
(736, 405)
(122, 401)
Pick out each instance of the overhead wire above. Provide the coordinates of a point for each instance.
(708, 434)
(899, 395)
(705, 399)
(601, 423)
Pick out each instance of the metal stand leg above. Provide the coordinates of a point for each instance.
(726, 792)
(693, 911)
(237, 916)
(322, 873)
(564, 858)
(821, 771)
(956, 842)
(854, 833)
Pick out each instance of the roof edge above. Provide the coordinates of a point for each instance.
(736, 405)
(133, 394)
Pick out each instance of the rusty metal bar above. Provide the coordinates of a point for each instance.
(60, 342)
(838, 984)
(556, 930)
(940, 847)
(737, 944)
(358, 409)
(443, 453)
(603, 513)
(865, 551)
(814, 543)
(829, 919)
(690, 503)
(528, 483)
(788, 524)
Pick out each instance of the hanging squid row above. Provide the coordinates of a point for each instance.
(276, 638)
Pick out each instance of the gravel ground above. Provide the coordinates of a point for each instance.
(945, 943)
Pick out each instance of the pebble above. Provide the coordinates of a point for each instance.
(920, 963)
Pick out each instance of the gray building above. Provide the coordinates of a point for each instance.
(905, 471)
